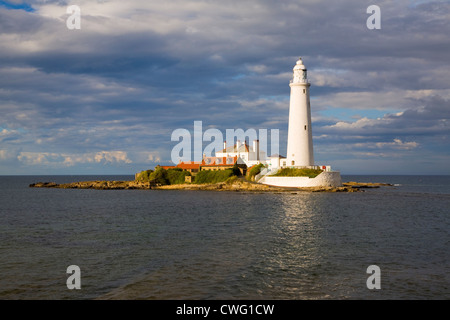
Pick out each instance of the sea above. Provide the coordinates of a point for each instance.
(209, 245)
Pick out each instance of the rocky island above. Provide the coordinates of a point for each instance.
(237, 184)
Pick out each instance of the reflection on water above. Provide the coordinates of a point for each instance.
(295, 253)
(268, 247)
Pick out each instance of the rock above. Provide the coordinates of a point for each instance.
(237, 185)
(354, 184)
(44, 185)
(100, 185)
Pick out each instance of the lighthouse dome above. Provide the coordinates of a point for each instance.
(299, 65)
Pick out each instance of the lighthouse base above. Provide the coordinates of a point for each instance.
(325, 179)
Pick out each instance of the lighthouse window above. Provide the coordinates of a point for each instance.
(305, 127)
(304, 90)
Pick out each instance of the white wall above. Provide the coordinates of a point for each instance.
(325, 179)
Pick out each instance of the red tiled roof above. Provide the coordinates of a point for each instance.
(167, 167)
(206, 162)
(189, 165)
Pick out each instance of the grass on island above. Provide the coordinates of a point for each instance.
(208, 176)
(163, 177)
(298, 172)
(256, 169)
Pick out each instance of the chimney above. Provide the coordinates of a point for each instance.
(225, 145)
(256, 149)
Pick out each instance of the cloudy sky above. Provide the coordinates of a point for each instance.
(105, 99)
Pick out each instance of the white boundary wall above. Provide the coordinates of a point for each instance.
(325, 179)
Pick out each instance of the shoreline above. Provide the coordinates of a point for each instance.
(237, 186)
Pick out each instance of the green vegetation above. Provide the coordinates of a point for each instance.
(159, 176)
(256, 169)
(177, 175)
(297, 172)
(231, 180)
(170, 176)
(163, 177)
(143, 176)
(207, 176)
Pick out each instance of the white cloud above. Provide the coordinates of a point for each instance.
(38, 158)
(397, 144)
(360, 126)
(6, 154)
(68, 160)
(146, 157)
(395, 99)
(112, 157)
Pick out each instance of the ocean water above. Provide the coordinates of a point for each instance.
(148, 244)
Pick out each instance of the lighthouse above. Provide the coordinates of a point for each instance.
(300, 144)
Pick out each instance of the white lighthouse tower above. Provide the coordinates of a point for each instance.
(299, 145)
